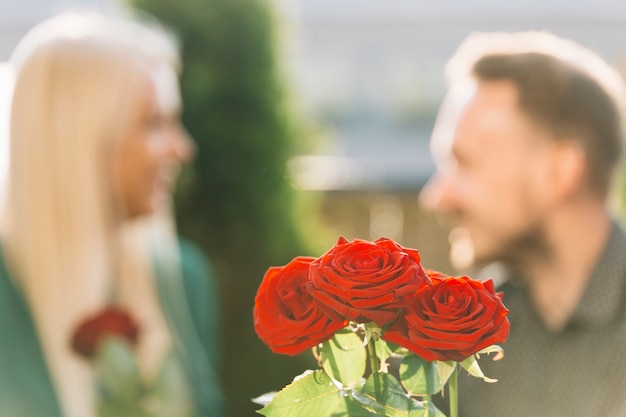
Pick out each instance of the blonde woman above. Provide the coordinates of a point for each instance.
(95, 144)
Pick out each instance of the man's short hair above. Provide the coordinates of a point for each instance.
(565, 88)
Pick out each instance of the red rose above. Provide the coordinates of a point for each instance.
(451, 320)
(366, 281)
(286, 317)
(436, 276)
(109, 322)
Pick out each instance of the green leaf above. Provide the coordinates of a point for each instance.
(117, 372)
(471, 365)
(311, 395)
(384, 395)
(499, 352)
(397, 349)
(351, 408)
(343, 357)
(383, 350)
(432, 410)
(264, 399)
(420, 377)
(445, 369)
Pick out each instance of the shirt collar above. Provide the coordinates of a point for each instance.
(602, 299)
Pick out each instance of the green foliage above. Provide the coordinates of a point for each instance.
(343, 358)
(342, 387)
(123, 392)
(472, 366)
(383, 395)
(345, 387)
(235, 200)
(313, 395)
(420, 377)
(118, 372)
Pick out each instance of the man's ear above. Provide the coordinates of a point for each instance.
(567, 172)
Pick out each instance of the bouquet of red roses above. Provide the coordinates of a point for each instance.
(362, 306)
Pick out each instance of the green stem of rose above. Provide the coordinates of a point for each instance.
(373, 358)
(453, 387)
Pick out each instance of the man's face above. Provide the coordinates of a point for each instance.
(491, 160)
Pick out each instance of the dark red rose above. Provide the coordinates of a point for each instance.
(366, 281)
(436, 276)
(109, 322)
(451, 320)
(286, 317)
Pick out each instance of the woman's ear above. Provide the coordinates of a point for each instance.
(567, 170)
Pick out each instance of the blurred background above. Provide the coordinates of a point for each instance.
(312, 119)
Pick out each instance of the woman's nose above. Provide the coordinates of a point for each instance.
(182, 146)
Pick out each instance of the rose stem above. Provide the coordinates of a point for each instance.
(454, 393)
(371, 346)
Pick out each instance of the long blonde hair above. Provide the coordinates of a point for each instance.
(77, 92)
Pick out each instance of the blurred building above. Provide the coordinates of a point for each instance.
(370, 73)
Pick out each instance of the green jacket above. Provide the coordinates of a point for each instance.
(191, 310)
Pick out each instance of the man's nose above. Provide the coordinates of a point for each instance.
(437, 195)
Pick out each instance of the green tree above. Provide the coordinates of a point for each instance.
(235, 200)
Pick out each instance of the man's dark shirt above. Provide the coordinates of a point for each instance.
(579, 371)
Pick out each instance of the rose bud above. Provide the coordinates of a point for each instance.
(109, 322)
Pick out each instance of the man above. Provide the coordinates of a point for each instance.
(527, 145)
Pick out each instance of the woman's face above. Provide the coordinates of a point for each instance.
(148, 158)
